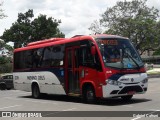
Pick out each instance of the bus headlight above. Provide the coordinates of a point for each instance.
(145, 80)
(113, 82)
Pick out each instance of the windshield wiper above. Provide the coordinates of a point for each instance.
(133, 60)
(121, 57)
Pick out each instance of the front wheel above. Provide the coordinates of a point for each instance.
(127, 98)
(89, 95)
(36, 92)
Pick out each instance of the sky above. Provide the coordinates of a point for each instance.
(76, 15)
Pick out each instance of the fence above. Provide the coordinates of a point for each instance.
(151, 59)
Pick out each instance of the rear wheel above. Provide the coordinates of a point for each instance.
(36, 92)
(127, 98)
(89, 95)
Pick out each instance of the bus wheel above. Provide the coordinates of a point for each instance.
(36, 92)
(89, 95)
(127, 98)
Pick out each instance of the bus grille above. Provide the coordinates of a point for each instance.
(130, 88)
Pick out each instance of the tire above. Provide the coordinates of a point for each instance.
(89, 95)
(2, 87)
(36, 92)
(127, 98)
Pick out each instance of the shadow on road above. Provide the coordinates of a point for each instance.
(107, 102)
(119, 101)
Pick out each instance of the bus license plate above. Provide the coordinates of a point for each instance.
(131, 92)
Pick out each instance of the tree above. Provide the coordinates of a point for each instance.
(4, 46)
(96, 27)
(134, 20)
(5, 61)
(2, 15)
(2, 43)
(43, 28)
(26, 30)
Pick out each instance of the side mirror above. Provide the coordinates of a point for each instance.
(93, 50)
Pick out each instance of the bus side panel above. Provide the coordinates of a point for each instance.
(93, 77)
(47, 81)
(20, 82)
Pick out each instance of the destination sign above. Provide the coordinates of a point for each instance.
(108, 42)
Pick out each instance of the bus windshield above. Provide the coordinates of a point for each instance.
(119, 53)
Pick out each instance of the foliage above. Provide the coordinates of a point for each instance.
(8, 47)
(5, 65)
(2, 15)
(45, 28)
(6, 68)
(4, 60)
(96, 27)
(157, 52)
(26, 30)
(2, 43)
(135, 20)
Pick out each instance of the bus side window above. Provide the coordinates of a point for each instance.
(37, 57)
(57, 56)
(86, 57)
(17, 58)
(53, 56)
(47, 56)
(22, 59)
(28, 59)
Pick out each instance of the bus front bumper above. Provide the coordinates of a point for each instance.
(112, 90)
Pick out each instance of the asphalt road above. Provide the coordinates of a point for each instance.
(15, 100)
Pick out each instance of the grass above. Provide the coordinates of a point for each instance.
(153, 72)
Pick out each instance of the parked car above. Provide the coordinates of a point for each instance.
(6, 81)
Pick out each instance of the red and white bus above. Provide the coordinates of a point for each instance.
(98, 66)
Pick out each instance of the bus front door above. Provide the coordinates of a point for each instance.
(72, 71)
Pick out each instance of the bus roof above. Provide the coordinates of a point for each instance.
(58, 41)
(50, 42)
(45, 41)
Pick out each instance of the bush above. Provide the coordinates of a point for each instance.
(4, 60)
(6, 68)
(5, 65)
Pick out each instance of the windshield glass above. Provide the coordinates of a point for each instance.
(119, 53)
